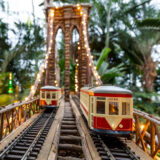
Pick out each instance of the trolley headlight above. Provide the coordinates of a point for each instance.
(120, 126)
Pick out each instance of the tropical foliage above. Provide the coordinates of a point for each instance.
(122, 35)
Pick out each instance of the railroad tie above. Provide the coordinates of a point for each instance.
(70, 145)
(28, 144)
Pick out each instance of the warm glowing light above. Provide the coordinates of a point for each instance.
(81, 13)
(142, 127)
(10, 119)
(32, 87)
(79, 48)
(52, 13)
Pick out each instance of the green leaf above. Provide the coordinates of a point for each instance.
(103, 56)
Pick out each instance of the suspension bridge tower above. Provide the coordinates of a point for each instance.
(67, 18)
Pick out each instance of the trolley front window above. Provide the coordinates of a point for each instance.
(43, 94)
(125, 108)
(53, 95)
(48, 95)
(101, 107)
(113, 108)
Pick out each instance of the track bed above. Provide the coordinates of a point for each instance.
(28, 144)
(70, 144)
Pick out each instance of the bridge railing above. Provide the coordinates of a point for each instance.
(147, 129)
(14, 115)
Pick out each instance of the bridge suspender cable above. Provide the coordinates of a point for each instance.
(44, 65)
(91, 64)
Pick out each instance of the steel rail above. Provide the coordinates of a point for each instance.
(102, 147)
(36, 139)
(15, 141)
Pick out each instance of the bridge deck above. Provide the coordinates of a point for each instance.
(139, 152)
(49, 149)
(16, 132)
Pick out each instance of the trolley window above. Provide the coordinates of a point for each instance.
(53, 95)
(43, 94)
(101, 107)
(113, 108)
(48, 95)
(125, 108)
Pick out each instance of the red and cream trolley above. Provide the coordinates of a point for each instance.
(108, 109)
(49, 96)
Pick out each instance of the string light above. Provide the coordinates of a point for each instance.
(44, 65)
(90, 57)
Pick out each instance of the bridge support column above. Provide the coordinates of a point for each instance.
(67, 40)
(50, 71)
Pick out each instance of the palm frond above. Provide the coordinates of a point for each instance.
(150, 24)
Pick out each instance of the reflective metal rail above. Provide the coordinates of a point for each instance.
(147, 131)
(28, 144)
(14, 115)
(109, 147)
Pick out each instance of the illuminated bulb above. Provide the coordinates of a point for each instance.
(78, 43)
(32, 87)
(77, 64)
(76, 60)
(79, 48)
(81, 12)
(85, 46)
(26, 99)
(96, 82)
(92, 56)
(52, 13)
(142, 127)
(78, 7)
(89, 64)
(120, 126)
(87, 55)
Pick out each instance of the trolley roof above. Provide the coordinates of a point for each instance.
(49, 88)
(107, 89)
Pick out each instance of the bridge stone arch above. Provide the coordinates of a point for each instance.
(67, 18)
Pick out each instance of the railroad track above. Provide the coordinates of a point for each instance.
(109, 147)
(70, 144)
(28, 144)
